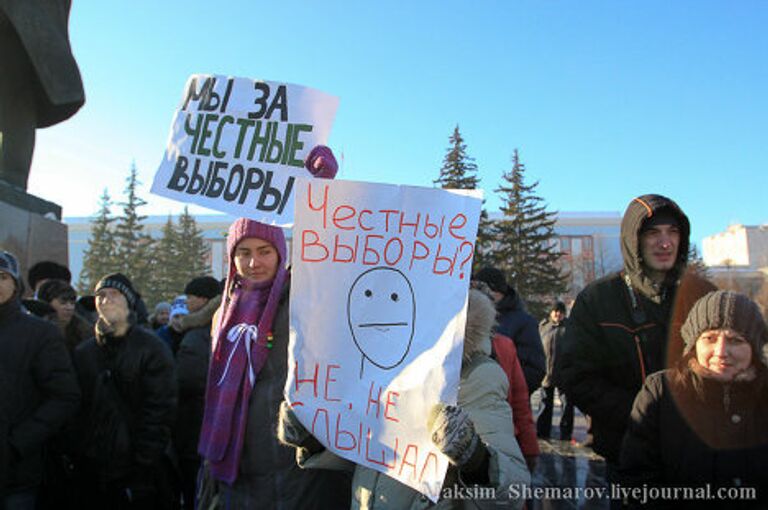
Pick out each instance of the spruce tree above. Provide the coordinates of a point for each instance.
(133, 245)
(193, 251)
(696, 263)
(99, 258)
(523, 241)
(165, 267)
(459, 171)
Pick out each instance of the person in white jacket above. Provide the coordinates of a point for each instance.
(477, 436)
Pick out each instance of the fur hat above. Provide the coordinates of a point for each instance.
(120, 282)
(47, 270)
(724, 309)
(481, 318)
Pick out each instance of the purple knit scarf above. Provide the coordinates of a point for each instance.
(240, 351)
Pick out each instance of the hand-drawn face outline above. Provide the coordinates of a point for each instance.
(381, 313)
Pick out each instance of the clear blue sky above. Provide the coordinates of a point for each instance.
(605, 100)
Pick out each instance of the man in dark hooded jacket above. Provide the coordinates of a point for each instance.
(617, 334)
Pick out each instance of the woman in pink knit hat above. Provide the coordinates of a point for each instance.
(246, 466)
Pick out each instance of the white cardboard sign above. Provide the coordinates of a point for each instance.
(237, 145)
(378, 307)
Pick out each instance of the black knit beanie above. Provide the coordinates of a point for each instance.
(203, 286)
(494, 278)
(664, 216)
(724, 309)
(120, 282)
(557, 306)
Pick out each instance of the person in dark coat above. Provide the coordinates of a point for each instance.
(129, 404)
(618, 327)
(38, 389)
(171, 333)
(703, 425)
(61, 296)
(516, 323)
(203, 298)
(552, 331)
(160, 316)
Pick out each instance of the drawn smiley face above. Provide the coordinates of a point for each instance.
(381, 311)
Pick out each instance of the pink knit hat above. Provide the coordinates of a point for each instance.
(243, 228)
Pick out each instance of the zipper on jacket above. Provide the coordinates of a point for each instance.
(640, 358)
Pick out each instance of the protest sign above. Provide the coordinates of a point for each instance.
(378, 306)
(237, 145)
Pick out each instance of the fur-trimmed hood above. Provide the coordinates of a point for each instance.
(481, 317)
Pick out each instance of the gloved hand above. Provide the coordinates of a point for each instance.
(321, 162)
(453, 433)
(290, 431)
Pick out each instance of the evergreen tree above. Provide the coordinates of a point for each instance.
(524, 242)
(696, 263)
(133, 246)
(459, 171)
(99, 258)
(484, 244)
(193, 251)
(165, 267)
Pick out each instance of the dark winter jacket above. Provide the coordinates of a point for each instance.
(680, 436)
(552, 338)
(170, 337)
(141, 371)
(269, 476)
(39, 391)
(617, 332)
(192, 373)
(77, 330)
(514, 322)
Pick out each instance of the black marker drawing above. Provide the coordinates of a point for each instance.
(381, 312)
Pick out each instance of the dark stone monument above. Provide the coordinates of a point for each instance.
(40, 86)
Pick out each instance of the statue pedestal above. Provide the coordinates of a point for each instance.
(31, 228)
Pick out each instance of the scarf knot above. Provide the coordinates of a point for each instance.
(249, 334)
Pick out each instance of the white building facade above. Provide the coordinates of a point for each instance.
(589, 242)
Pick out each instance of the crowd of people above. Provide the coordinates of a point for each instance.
(104, 405)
